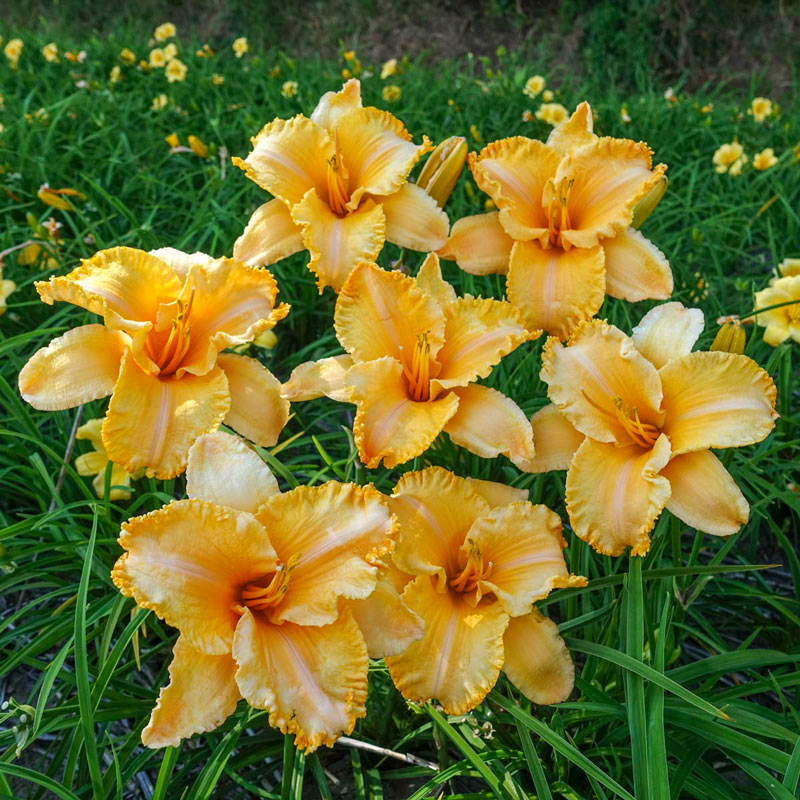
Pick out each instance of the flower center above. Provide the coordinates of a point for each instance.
(794, 312)
(643, 433)
(168, 354)
(472, 571)
(338, 181)
(558, 211)
(419, 373)
(269, 590)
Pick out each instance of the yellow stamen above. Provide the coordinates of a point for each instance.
(338, 194)
(168, 358)
(643, 433)
(260, 597)
(418, 376)
(558, 213)
(473, 571)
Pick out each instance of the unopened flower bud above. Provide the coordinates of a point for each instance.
(731, 338)
(441, 170)
(646, 205)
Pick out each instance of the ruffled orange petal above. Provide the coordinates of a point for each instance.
(188, 562)
(608, 178)
(537, 660)
(289, 157)
(388, 425)
(337, 244)
(129, 283)
(716, 400)
(458, 659)
(270, 235)
(201, 694)
(377, 152)
(490, 424)
(497, 494)
(598, 372)
(573, 133)
(323, 378)
(232, 304)
(555, 440)
(513, 172)
(553, 289)
(380, 313)
(414, 220)
(615, 494)
(258, 411)
(667, 331)
(704, 495)
(78, 367)
(387, 624)
(223, 470)
(152, 422)
(430, 281)
(434, 509)
(635, 268)
(478, 333)
(479, 244)
(337, 531)
(523, 543)
(333, 104)
(311, 679)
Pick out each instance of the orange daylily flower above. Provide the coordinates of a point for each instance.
(415, 351)
(339, 180)
(167, 317)
(259, 585)
(563, 232)
(633, 420)
(479, 556)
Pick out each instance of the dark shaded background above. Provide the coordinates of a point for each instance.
(631, 42)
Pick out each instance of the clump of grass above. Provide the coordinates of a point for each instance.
(688, 659)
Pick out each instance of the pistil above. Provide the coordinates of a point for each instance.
(558, 213)
(473, 570)
(338, 179)
(418, 375)
(643, 433)
(169, 356)
(271, 590)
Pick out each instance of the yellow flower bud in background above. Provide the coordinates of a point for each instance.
(159, 102)
(391, 93)
(171, 51)
(198, 147)
(172, 140)
(266, 339)
(176, 70)
(646, 205)
(127, 55)
(50, 52)
(731, 337)
(165, 31)
(115, 74)
(157, 58)
(389, 68)
(443, 167)
(240, 46)
(289, 88)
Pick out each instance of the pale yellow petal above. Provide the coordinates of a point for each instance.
(333, 104)
(458, 659)
(435, 510)
(430, 281)
(312, 680)
(91, 464)
(289, 157)
(704, 495)
(555, 440)
(152, 422)
(179, 262)
(523, 543)
(667, 331)
(573, 133)
(478, 333)
(635, 268)
(607, 179)
(258, 411)
(387, 624)
(716, 400)
(337, 531)
(555, 290)
(596, 373)
(513, 172)
(380, 313)
(323, 378)
(270, 235)
(615, 494)
(490, 424)
(188, 562)
(337, 244)
(78, 367)
(92, 430)
(479, 244)
(537, 660)
(223, 470)
(414, 220)
(377, 152)
(201, 694)
(389, 426)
